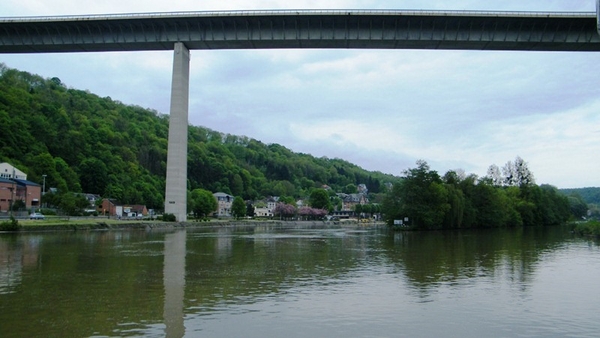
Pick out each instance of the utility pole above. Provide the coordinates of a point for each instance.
(43, 189)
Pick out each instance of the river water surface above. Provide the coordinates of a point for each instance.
(299, 281)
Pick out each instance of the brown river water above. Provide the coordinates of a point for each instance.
(299, 281)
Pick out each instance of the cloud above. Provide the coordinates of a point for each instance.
(380, 109)
(71, 7)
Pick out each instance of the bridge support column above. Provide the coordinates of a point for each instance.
(176, 184)
(598, 16)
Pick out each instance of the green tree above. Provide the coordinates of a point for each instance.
(421, 197)
(72, 204)
(358, 209)
(456, 200)
(249, 210)
(287, 200)
(203, 203)
(93, 175)
(319, 199)
(577, 206)
(350, 189)
(491, 205)
(238, 207)
(237, 184)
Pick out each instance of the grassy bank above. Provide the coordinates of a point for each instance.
(589, 228)
(72, 224)
(63, 223)
(57, 224)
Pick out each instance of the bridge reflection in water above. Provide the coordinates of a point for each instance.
(174, 280)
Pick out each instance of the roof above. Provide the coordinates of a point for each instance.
(136, 207)
(88, 195)
(26, 182)
(112, 201)
(221, 194)
(355, 198)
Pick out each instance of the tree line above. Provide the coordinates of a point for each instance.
(504, 198)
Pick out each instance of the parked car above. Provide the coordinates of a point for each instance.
(36, 215)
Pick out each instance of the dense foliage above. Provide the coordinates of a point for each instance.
(85, 143)
(589, 228)
(10, 225)
(238, 208)
(430, 201)
(584, 202)
(202, 203)
(319, 199)
(588, 195)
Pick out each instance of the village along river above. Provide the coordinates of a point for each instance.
(299, 281)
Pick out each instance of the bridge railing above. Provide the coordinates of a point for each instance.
(288, 12)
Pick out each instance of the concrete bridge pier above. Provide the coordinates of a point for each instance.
(598, 16)
(176, 184)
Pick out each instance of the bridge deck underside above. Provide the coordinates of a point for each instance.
(304, 31)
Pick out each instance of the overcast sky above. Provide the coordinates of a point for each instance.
(380, 109)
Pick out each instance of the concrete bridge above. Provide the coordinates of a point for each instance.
(342, 29)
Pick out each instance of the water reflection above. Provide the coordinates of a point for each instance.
(457, 257)
(296, 281)
(14, 256)
(174, 280)
(10, 267)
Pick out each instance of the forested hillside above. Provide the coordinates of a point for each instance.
(85, 143)
(589, 195)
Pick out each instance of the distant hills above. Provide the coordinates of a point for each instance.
(86, 143)
(589, 195)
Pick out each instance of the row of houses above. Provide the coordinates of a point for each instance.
(14, 186)
(263, 208)
(113, 208)
(266, 208)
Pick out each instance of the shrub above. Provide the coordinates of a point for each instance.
(12, 225)
(590, 228)
(169, 218)
(47, 212)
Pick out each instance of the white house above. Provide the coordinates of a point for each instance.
(8, 171)
(263, 212)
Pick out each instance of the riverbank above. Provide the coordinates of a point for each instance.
(114, 224)
(589, 228)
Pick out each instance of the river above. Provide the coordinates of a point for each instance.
(299, 281)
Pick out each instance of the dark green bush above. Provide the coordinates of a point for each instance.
(47, 212)
(12, 225)
(169, 218)
(589, 228)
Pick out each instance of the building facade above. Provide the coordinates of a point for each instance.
(15, 190)
(224, 202)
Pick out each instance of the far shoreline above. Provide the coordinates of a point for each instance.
(27, 226)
